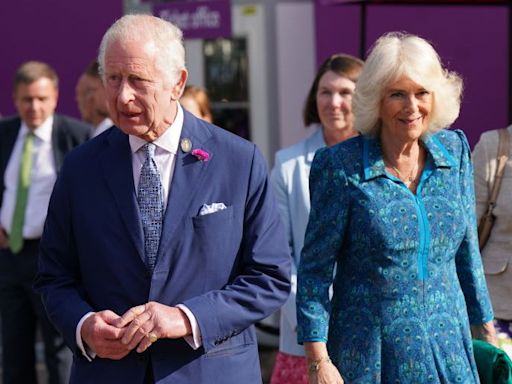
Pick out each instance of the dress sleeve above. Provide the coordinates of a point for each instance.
(322, 244)
(468, 260)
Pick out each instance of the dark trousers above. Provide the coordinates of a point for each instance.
(22, 311)
(148, 378)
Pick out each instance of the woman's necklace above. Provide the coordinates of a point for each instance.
(411, 178)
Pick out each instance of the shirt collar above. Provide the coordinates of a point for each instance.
(43, 132)
(168, 141)
(374, 163)
(103, 126)
(313, 143)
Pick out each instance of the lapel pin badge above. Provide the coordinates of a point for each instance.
(186, 145)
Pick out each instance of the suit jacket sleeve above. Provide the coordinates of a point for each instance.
(58, 279)
(264, 281)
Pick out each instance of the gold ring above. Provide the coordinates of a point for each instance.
(152, 337)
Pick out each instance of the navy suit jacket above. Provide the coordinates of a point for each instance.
(230, 268)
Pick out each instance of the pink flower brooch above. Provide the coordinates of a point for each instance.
(201, 154)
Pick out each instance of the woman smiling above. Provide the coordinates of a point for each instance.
(393, 209)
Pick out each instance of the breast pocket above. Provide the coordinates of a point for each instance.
(217, 238)
(220, 217)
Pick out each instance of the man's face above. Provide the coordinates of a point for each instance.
(99, 98)
(141, 102)
(90, 98)
(36, 101)
(83, 98)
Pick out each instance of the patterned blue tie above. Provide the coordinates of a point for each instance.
(151, 205)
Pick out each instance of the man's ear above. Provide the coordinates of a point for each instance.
(177, 90)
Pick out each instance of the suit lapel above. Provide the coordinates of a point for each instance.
(58, 153)
(9, 133)
(188, 174)
(117, 170)
(313, 143)
(9, 136)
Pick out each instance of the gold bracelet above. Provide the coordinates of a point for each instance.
(314, 366)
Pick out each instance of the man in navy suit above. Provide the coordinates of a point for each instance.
(45, 137)
(163, 244)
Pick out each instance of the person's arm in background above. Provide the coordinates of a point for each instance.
(482, 172)
(468, 259)
(279, 186)
(4, 240)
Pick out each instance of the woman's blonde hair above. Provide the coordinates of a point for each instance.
(393, 56)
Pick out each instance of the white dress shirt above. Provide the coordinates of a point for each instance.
(165, 158)
(43, 176)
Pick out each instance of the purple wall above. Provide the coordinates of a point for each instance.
(63, 33)
(337, 30)
(472, 40)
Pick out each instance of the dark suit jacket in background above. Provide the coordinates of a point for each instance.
(21, 308)
(67, 133)
(230, 268)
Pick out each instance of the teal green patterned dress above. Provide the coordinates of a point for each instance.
(408, 278)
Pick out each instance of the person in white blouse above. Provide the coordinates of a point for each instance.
(329, 108)
(52, 136)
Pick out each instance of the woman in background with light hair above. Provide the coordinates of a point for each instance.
(393, 209)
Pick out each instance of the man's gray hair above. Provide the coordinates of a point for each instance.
(166, 38)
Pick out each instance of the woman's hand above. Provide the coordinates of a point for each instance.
(327, 374)
(485, 332)
(321, 369)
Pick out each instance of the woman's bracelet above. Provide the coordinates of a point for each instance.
(314, 366)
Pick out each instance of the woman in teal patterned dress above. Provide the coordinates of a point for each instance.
(393, 220)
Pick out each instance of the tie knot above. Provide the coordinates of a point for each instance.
(149, 150)
(29, 136)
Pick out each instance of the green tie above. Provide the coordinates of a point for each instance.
(18, 218)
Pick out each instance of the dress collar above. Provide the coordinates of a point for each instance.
(374, 163)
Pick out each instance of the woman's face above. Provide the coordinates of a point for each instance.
(334, 101)
(406, 109)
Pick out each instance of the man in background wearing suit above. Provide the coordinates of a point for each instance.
(91, 99)
(32, 148)
(163, 243)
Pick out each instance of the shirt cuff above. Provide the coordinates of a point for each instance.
(86, 351)
(194, 340)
